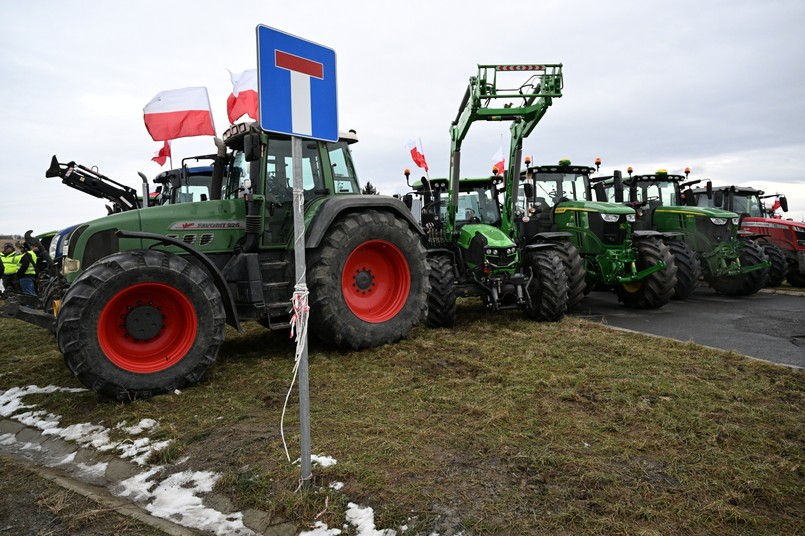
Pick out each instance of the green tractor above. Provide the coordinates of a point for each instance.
(637, 264)
(705, 242)
(473, 248)
(143, 295)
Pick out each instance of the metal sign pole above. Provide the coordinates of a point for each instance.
(299, 257)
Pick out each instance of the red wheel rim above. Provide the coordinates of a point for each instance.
(147, 327)
(376, 281)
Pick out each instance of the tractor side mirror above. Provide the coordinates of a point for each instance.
(633, 191)
(718, 198)
(251, 147)
(709, 189)
(600, 191)
(528, 190)
(783, 203)
(408, 199)
(617, 184)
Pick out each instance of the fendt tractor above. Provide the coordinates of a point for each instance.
(637, 264)
(705, 242)
(144, 295)
(480, 253)
(782, 240)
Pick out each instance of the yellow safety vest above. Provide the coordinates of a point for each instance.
(31, 270)
(10, 264)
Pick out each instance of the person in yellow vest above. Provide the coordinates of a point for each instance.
(26, 273)
(10, 267)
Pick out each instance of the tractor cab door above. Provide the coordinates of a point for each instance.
(279, 187)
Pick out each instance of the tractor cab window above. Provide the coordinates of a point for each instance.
(477, 206)
(553, 188)
(754, 207)
(238, 177)
(345, 180)
(659, 193)
(279, 171)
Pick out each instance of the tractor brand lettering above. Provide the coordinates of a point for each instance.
(184, 225)
(767, 225)
(520, 68)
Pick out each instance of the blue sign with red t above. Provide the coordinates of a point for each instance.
(296, 86)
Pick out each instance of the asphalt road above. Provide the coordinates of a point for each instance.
(768, 326)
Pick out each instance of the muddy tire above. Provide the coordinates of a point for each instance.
(688, 269)
(140, 323)
(657, 289)
(779, 264)
(548, 286)
(368, 281)
(442, 295)
(574, 270)
(743, 284)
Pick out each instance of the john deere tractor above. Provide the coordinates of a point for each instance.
(473, 248)
(144, 295)
(782, 240)
(637, 264)
(704, 241)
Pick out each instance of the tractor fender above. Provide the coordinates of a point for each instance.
(331, 208)
(642, 235)
(207, 264)
(541, 245)
(550, 236)
(671, 234)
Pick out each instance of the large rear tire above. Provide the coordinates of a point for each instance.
(442, 295)
(140, 323)
(368, 281)
(574, 270)
(747, 283)
(779, 264)
(548, 286)
(688, 269)
(657, 289)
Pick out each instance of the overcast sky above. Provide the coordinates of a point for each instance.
(714, 85)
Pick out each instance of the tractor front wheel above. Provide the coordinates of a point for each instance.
(574, 269)
(688, 269)
(368, 281)
(747, 283)
(140, 323)
(442, 295)
(657, 289)
(779, 264)
(548, 286)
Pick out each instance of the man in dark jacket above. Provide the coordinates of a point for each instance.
(26, 274)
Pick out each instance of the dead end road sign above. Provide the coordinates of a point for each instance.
(296, 86)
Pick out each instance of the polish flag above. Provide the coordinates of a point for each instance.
(243, 100)
(179, 113)
(163, 154)
(498, 161)
(776, 205)
(415, 146)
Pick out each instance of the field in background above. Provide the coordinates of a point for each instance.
(499, 426)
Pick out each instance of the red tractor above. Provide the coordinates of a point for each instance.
(782, 240)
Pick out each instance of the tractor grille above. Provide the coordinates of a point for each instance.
(500, 259)
(716, 233)
(610, 233)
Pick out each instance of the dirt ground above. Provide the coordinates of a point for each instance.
(32, 504)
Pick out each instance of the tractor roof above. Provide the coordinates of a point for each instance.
(465, 184)
(561, 169)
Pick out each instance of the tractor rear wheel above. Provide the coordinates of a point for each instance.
(779, 264)
(688, 269)
(368, 281)
(548, 286)
(140, 323)
(442, 295)
(747, 283)
(576, 275)
(657, 289)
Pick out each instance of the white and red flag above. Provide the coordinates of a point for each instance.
(179, 113)
(243, 100)
(415, 146)
(161, 156)
(498, 162)
(776, 205)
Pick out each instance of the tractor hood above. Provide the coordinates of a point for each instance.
(594, 206)
(490, 236)
(706, 212)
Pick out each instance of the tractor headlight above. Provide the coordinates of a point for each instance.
(610, 218)
(719, 221)
(510, 250)
(489, 251)
(736, 221)
(630, 218)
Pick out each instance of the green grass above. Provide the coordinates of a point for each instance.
(500, 426)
